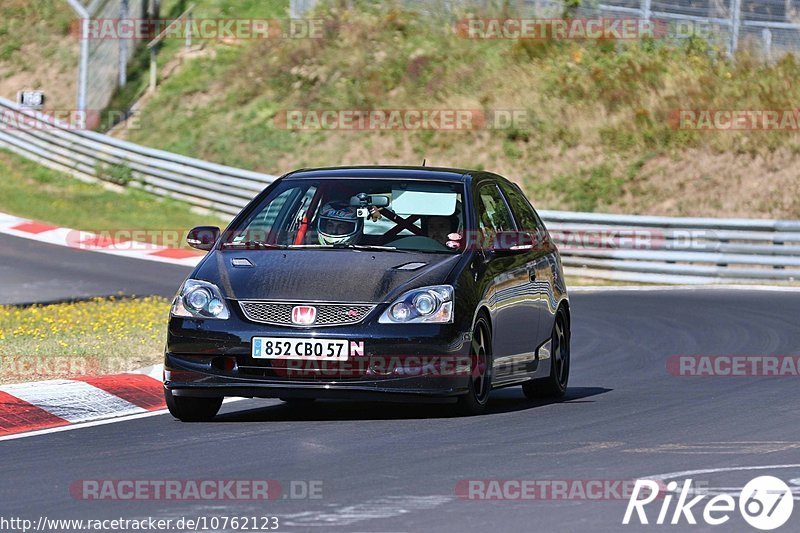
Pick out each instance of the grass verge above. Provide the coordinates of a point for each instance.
(33, 191)
(100, 336)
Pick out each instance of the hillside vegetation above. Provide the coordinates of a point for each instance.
(600, 134)
(37, 51)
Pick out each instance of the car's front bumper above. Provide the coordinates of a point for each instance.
(400, 362)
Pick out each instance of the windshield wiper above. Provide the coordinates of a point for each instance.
(370, 247)
(254, 244)
(352, 247)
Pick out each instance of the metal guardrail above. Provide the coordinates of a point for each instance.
(621, 247)
(91, 156)
(676, 250)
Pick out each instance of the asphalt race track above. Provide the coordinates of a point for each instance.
(34, 272)
(396, 467)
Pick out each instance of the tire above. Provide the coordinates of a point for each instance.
(480, 384)
(554, 385)
(188, 409)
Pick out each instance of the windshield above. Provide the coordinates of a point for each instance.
(353, 213)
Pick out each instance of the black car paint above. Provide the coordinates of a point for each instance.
(375, 275)
(519, 292)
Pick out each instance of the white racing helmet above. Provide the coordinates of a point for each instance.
(338, 223)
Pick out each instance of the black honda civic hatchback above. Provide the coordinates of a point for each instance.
(372, 283)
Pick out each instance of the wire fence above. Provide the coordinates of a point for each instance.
(103, 62)
(108, 58)
(771, 27)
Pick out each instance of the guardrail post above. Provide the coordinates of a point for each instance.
(83, 73)
(83, 63)
(646, 11)
(736, 22)
(123, 47)
(766, 38)
(153, 69)
(188, 30)
(153, 45)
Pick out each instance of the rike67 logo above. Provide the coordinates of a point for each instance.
(766, 503)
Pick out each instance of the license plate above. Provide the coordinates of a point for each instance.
(303, 349)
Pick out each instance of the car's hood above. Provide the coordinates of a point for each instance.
(322, 275)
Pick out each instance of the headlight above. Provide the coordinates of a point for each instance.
(199, 299)
(424, 305)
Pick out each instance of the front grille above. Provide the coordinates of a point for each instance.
(328, 314)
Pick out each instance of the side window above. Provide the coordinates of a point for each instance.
(524, 213)
(263, 223)
(493, 213)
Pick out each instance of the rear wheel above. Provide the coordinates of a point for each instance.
(188, 409)
(480, 383)
(555, 385)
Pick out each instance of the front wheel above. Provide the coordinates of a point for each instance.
(554, 385)
(188, 409)
(480, 384)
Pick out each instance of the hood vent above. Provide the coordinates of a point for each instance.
(241, 262)
(410, 266)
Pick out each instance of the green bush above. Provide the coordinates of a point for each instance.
(118, 174)
(590, 188)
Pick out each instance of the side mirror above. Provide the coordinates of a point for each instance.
(512, 242)
(203, 237)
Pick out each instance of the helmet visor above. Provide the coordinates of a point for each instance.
(333, 226)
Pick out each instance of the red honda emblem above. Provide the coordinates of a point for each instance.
(304, 315)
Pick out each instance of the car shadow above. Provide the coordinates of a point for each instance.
(502, 401)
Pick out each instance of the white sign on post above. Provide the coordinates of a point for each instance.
(30, 99)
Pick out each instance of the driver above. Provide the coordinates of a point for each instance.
(440, 227)
(338, 223)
